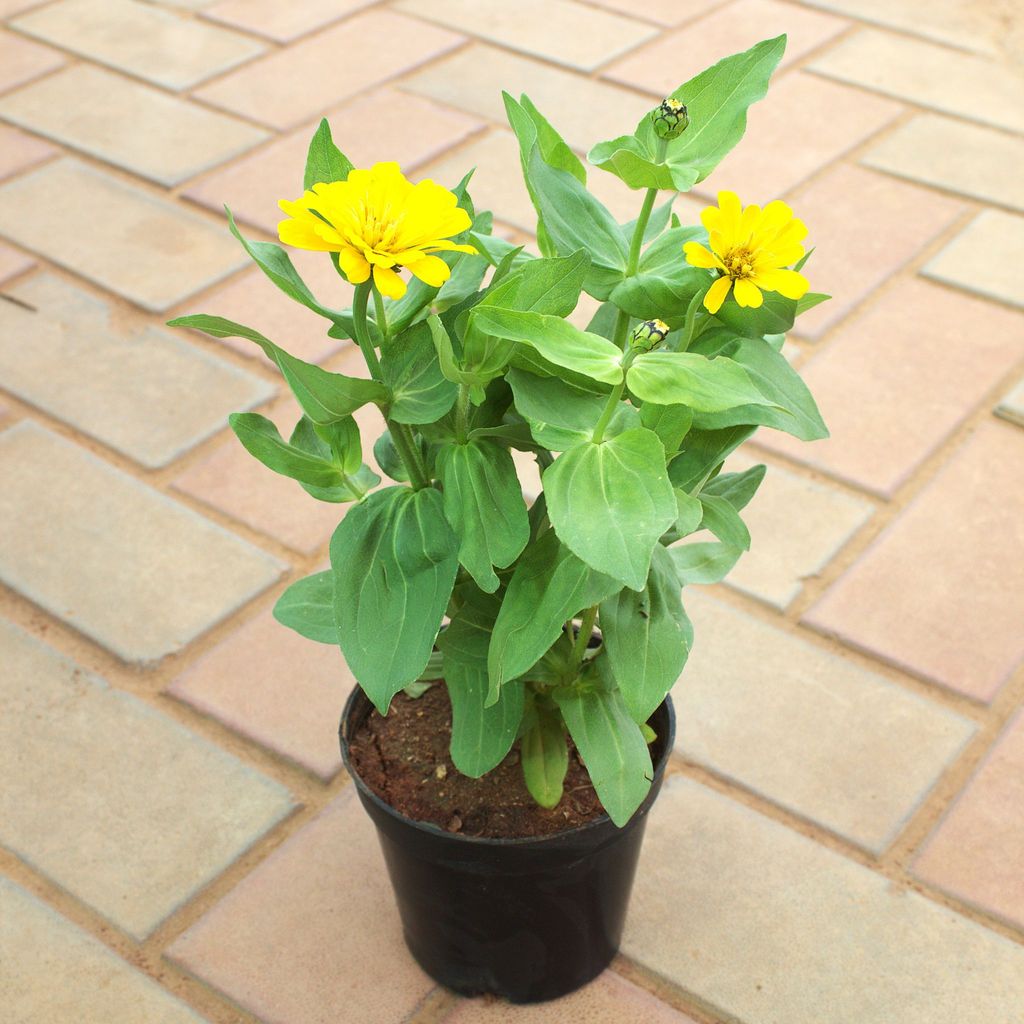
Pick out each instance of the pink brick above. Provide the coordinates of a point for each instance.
(675, 57)
(275, 687)
(233, 482)
(897, 379)
(291, 85)
(773, 158)
(13, 262)
(384, 125)
(312, 935)
(661, 12)
(281, 22)
(252, 299)
(978, 849)
(19, 151)
(940, 592)
(864, 228)
(22, 60)
(609, 999)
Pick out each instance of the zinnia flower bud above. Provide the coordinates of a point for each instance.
(650, 334)
(670, 118)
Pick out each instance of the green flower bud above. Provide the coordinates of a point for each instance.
(650, 334)
(670, 118)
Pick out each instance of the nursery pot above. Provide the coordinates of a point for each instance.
(525, 919)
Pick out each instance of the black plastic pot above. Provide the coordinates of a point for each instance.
(525, 919)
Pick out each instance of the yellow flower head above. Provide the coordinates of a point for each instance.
(750, 248)
(377, 220)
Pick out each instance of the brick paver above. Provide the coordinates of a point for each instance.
(983, 258)
(977, 850)
(97, 791)
(823, 737)
(898, 378)
(134, 571)
(786, 551)
(980, 163)
(326, 889)
(766, 925)
(661, 66)
(19, 151)
(290, 86)
(140, 39)
(855, 688)
(143, 391)
(130, 125)
(964, 530)
(115, 234)
(54, 971)
(932, 76)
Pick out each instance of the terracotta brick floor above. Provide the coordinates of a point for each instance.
(841, 840)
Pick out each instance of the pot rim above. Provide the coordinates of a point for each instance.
(601, 821)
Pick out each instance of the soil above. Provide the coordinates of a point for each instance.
(404, 760)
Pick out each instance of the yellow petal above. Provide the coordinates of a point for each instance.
(430, 270)
(786, 282)
(353, 265)
(388, 282)
(443, 245)
(716, 294)
(698, 255)
(747, 294)
(303, 235)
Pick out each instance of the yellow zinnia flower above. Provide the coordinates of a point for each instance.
(376, 220)
(750, 248)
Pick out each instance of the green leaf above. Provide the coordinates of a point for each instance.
(545, 754)
(686, 378)
(610, 502)
(665, 283)
(703, 562)
(394, 559)
(277, 265)
(338, 443)
(775, 315)
(484, 504)
(561, 415)
(325, 397)
(736, 488)
(532, 128)
(261, 439)
(411, 370)
(810, 300)
(670, 422)
(647, 637)
(575, 220)
(555, 339)
(611, 745)
(717, 101)
(722, 519)
(481, 735)
(307, 606)
(702, 453)
(324, 161)
(548, 587)
(787, 404)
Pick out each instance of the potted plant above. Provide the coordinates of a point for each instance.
(512, 721)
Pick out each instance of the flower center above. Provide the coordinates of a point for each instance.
(739, 263)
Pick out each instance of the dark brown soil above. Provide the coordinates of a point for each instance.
(404, 759)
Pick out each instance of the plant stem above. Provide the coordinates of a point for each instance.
(362, 332)
(382, 316)
(585, 633)
(609, 410)
(401, 434)
(405, 445)
(462, 414)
